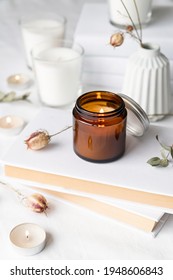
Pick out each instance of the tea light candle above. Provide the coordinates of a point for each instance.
(19, 81)
(11, 124)
(99, 126)
(28, 239)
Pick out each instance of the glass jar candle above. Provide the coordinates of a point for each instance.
(99, 126)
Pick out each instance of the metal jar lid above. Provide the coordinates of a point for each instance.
(137, 119)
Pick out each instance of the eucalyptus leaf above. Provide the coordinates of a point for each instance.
(172, 151)
(164, 162)
(1, 95)
(9, 96)
(166, 152)
(155, 161)
(12, 96)
(163, 154)
(23, 97)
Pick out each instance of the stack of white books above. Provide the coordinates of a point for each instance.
(105, 65)
(128, 190)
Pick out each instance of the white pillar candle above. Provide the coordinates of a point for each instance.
(58, 73)
(28, 239)
(35, 31)
(119, 15)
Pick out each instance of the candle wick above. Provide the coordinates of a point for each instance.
(8, 120)
(27, 235)
(101, 110)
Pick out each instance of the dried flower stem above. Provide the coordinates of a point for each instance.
(138, 36)
(36, 202)
(19, 194)
(139, 21)
(64, 129)
(41, 138)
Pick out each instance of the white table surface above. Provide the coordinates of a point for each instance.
(73, 232)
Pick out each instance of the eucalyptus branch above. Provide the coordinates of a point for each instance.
(164, 161)
(12, 96)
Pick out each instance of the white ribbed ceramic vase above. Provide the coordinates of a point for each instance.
(147, 81)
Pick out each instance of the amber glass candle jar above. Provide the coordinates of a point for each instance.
(99, 126)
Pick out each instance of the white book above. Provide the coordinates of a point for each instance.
(94, 30)
(137, 216)
(129, 178)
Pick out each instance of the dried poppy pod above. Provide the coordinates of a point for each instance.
(129, 28)
(41, 138)
(117, 39)
(36, 202)
(38, 140)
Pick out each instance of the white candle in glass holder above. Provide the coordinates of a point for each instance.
(58, 72)
(120, 17)
(38, 30)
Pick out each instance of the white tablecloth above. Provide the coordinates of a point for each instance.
(73, 232)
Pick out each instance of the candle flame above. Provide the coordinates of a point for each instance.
(8, 120)
(17, 77)
(27, 234)
(101, 110)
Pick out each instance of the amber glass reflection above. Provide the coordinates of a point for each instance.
(99, 126)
